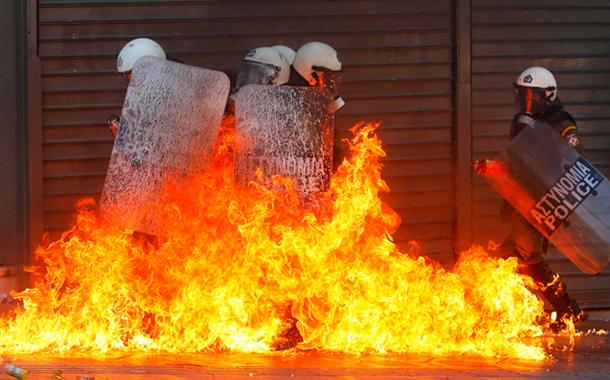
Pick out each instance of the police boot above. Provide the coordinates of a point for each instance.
(567, 308)
(555, 291)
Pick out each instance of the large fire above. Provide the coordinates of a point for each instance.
(244, 269)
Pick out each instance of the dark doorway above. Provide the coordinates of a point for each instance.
(13, 165)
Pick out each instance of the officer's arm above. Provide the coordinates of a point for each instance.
(569, 132)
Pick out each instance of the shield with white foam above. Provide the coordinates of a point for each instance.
(169, 123)
(285, 131)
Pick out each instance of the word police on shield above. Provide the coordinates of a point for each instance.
(558, 203)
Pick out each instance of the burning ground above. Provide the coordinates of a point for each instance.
(244, 269)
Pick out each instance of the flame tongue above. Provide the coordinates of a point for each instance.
(244, 269)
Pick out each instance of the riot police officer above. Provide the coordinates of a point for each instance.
(536, 100)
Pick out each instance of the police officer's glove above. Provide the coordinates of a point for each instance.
(506, 211)
(525, 119)
(336, 104)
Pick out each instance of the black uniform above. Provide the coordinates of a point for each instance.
(524, 241)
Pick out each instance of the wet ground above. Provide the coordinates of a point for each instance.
(589, 359)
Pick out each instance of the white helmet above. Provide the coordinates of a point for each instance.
(136, 49)
(535, 90)
(314, 58)
(263, 65)
(285, 52)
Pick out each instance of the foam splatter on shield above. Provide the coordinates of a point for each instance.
(169, 124)
(559, 192)
(286, 131)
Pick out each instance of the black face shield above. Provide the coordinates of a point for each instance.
(532, 100)
(255, 73)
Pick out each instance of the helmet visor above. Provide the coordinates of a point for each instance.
(531, 100)
(255, 73)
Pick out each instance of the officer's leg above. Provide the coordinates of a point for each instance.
(528, 242)
(552, 287)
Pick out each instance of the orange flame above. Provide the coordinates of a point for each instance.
(244, 269)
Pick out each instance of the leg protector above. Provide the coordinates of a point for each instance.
(553, 288)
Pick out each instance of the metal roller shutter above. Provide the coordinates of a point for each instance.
(570, 38)
(398, 58)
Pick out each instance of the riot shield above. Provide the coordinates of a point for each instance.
(285, 131)
(559, 192)
(169, 124)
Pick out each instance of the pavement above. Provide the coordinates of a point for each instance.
(589, 358)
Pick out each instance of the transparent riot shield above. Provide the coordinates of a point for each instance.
(559, 192)
(169, 124)
(285, 131)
